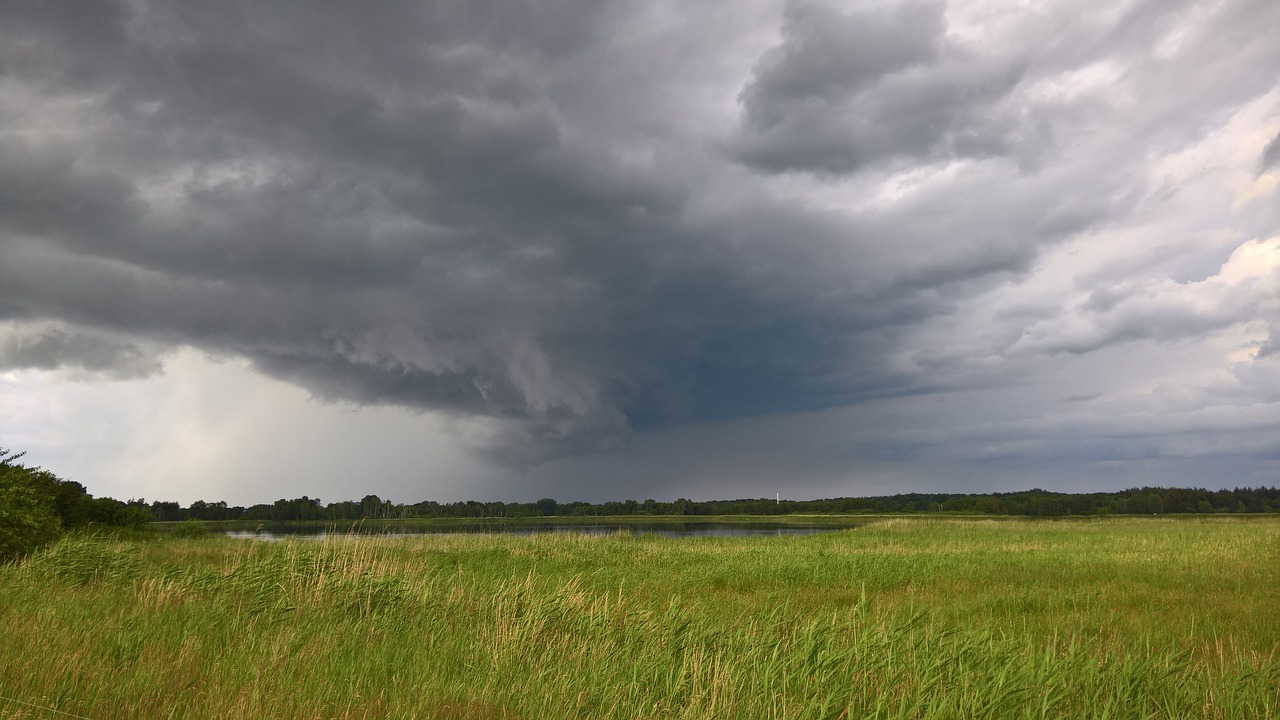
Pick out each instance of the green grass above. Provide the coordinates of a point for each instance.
(952, 618)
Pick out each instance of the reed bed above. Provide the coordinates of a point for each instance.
(1116, 618)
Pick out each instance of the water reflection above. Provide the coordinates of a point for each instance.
(666, 530)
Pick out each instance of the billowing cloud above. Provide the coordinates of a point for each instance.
(1245, 289)
(564, 223)
(847, 89)
(54, 348)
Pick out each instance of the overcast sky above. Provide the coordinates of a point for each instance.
(611, 249)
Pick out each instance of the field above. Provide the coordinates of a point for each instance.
(911, 617)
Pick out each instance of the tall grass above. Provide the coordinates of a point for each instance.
(1116, 618)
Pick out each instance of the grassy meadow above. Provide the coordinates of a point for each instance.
(900, 618)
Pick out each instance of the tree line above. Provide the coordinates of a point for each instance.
(1036, 503)
(37, 507)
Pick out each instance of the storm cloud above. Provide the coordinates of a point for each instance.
(580, 221)
(845, 90)
(52, 348)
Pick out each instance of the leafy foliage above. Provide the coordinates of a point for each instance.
(36, 507)
(28, 516)
(191, 529)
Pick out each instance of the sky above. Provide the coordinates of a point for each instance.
(626, 249)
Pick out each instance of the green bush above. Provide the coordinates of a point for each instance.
(190, 529)
(28, 518)
(36, 507)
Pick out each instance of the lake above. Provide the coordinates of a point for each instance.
(661, 529)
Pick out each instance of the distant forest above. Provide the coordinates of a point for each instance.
(1040, 503)
(37, 507)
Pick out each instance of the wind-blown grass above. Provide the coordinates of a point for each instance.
(912, 618)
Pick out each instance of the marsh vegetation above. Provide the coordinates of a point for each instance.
(904, 617)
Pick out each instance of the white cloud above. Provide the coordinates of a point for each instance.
(213, 429)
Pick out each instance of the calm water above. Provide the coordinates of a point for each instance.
(667, 530)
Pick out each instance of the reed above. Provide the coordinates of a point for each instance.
(905, 619)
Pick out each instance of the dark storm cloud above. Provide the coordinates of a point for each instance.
(387, 208)
(56, 348)
(557, 214)
(849, 89)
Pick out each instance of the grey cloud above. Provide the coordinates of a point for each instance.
(1118, 433)
(844, 91)
(1270, 159)
(526, 213)
(939, 97)
(431, 240)
(826, 53)
(38, 347)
